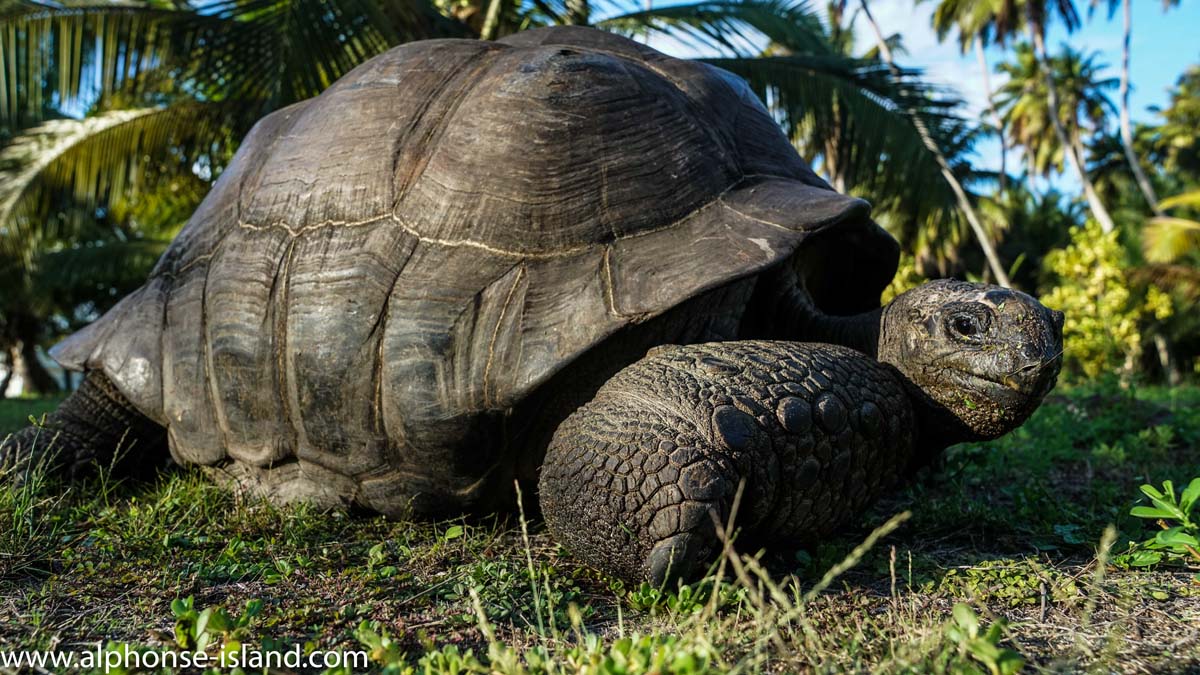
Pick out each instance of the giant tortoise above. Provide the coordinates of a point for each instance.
(562, 259)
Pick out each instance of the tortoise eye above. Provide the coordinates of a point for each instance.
(968, 324)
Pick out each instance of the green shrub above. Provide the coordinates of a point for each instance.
(1102, 332)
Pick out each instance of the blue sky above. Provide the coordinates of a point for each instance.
(1164, 44)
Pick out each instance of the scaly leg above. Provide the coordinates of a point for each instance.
(94, 425)
(635, 481)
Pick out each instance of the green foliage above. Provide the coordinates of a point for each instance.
(983, 646)
(1023, 103)
(687, 598)
(197, 630)
(907, 278)
(1012, 583)
(1178, 540)
(382, 650)
(1102, 332)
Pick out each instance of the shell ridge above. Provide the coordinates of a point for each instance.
(210, 377)
(465, 76)
(378, 332)
(487, 367)
(279, 315)
(287, 385)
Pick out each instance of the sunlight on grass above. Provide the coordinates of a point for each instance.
(1004, 566)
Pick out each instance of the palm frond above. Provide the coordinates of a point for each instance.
(283, 51)
(1167, 240)
(1189, 199)
(98, 265)
(55, 177)
(855, 117)
(69, 59)
(739, 27)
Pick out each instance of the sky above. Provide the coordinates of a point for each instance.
(1164, 44)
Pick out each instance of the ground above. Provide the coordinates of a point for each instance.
(1006, 564)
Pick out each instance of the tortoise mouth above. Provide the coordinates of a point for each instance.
(1017, 391)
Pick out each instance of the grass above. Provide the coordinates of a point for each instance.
(1015, 559)
(15, 412)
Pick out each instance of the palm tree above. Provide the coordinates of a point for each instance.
(1035, 223)
(1079, 104)
(1037, 17)
(1126, 126)
(115, 116)
(1002, 20)
(976, 22)
(964, 203)
(1175, 141)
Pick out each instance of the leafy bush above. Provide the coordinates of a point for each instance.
(1101, 333)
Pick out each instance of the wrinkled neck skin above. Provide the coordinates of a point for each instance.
(790, 314)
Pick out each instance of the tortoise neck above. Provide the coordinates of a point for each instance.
(859, 331)
(786, 311)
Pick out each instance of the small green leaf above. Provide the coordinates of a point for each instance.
(1148, 512)
(202, 621)
(965, 617)
(1169, 507)
(453, 532)
(1151, 492)
(1175, 536)
(180, 607)
(1190, 495)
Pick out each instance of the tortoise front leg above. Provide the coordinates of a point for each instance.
(635, 481)
(93, 426)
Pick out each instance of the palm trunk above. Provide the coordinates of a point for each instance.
(578, 12)
(491, 21)
(8, 373)
(35, 378)
(1167, 360)
(1070, 148)
(1126, 127)
(964, 204)
(991, 109)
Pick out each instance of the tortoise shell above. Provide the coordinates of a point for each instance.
(384, 269)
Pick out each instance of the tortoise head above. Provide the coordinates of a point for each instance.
(980, 357)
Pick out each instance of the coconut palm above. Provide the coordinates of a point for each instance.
(1126, 126)
(1037, 15)
(114, 117)
(977, 23)
(1082, 106)
(964, 202)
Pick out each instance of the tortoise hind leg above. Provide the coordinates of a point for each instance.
(95, 426)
